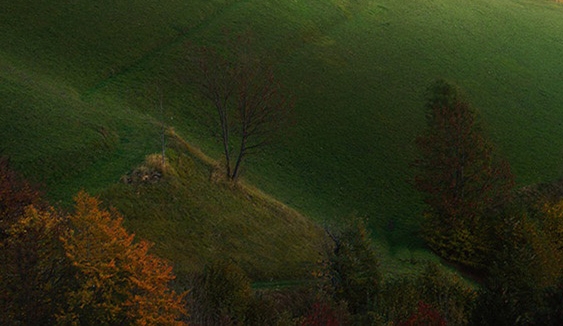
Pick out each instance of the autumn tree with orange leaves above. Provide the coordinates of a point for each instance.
(459, 176)
(81, 268)
(118, 281)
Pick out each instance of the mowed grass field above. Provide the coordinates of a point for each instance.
(79, 83)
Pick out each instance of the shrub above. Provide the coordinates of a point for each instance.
(221, 295)
(448, 293)
(321, 314)
(261, 310)
(444, 293)
(354, 268)
(424, 315)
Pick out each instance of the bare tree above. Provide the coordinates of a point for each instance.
(249, 103)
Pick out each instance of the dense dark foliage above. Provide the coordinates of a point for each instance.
(424, 315)
(354, 268)
(523, 286)
(434, 293)
(15, 195)
(33, 267)
(460, 178)
(220, 295)
(35, 273)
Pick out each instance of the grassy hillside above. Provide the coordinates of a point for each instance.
(78, 90)
(57, 139)
(194, 220)
(361, 91)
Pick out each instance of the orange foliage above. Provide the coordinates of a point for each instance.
(118, 280)
(84, 268)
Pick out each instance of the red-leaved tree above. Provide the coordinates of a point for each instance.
(321, 314)
(15, 195)
(425, 315)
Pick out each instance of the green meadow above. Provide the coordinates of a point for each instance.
(80, 83)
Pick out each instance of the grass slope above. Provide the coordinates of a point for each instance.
(360, 92)
(57, 139)
(194, 220)
(78, 92)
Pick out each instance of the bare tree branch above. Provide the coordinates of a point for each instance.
(249, 103)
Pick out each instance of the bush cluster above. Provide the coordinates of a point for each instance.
(347, 289)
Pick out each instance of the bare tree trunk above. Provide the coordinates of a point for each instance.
(240, 157)
(224, 121)
(246, 97)
(162, 136)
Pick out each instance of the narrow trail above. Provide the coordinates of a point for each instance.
(294, 44)
(283, 284)
(163, 47)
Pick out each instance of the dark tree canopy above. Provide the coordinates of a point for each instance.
(459, 175)
(15, 195)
